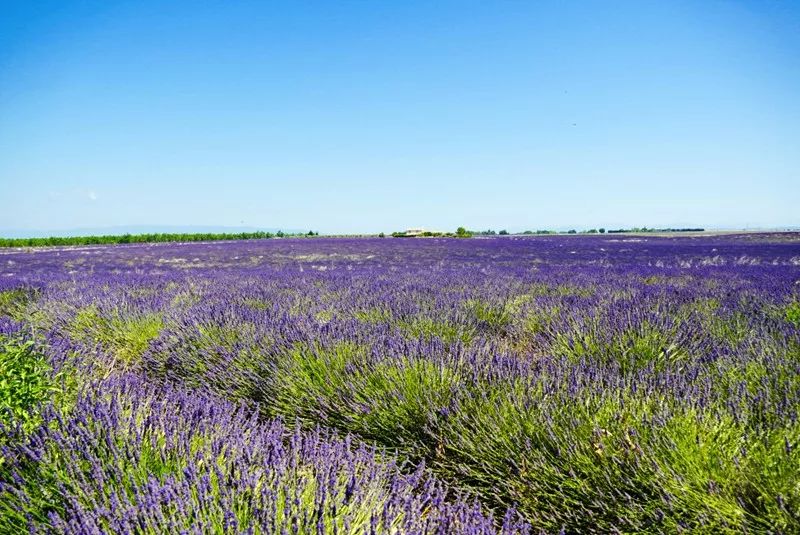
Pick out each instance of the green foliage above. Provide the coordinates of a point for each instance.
(461, 232)
(13, 302)
(25, 383)
(403, 398)
(311, 382)
(492, 318)
(394, 402)
(216, 357)
(731, 328)
(424, 234)
(324, 316)
(427, 328)
(637, 347)
(373, 315)
(792, 313)
(538, 320)
(125, 335)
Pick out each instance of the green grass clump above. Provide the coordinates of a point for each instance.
(537, 320)
(633, 348)
(373, 315)
(403, 399)
(542, 289)
(394, 402)
(428, 328)
(310, 383)
(494, 319)
(223, 358)
(256, 304)
(14, 302)
(792, 313)
(125, 335)
(729, 327)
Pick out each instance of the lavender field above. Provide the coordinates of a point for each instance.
(509, 385)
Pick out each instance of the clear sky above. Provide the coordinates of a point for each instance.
(368, 116)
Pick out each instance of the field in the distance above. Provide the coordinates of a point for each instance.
(488, 385)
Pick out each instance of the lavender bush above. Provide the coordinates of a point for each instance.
(130, 459)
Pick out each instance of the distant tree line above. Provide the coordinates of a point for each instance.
(488, 233)
(612, 231)
(426, 234)
(462, 232)
(146, 238)
(645, 229)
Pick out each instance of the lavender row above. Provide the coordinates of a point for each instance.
(128, 458)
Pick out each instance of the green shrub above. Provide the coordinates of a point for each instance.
(125, 335)
(634, 348)
(24, 383)
(427, 328)
(394, 402)
(493, 318)
(373, 315)
(403, 399)
(311, 382)
(793, 313)
(13, 302)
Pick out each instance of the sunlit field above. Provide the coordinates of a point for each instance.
(486, 385)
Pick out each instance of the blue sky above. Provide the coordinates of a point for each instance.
(370, 116)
